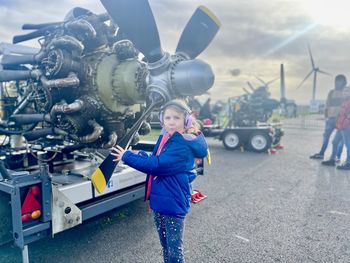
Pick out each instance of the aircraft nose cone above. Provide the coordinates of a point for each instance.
(192, 77)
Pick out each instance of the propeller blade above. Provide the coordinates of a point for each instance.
(324, 72)
(308, 75)
(104, 172)
(246, 91)
(198, 33)
(311, 58)
(17, 60)
(136, 20)
(263, 82)
(250, 86)
(271, 81)
(7, 48)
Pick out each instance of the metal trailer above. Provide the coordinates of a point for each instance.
(67, 197)
(260, 138)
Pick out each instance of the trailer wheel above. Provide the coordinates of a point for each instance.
(231, 140)
(259, 142)
(277, 137)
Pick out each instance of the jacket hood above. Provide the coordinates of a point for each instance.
(196, 143)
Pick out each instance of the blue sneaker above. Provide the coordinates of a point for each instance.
(345, 166)
(329, 162)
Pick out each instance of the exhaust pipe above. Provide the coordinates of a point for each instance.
(29, 118)
(8, 75)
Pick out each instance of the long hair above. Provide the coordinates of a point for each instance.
(195, 128)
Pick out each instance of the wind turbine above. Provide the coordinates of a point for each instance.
(314, 70)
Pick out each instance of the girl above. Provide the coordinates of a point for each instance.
(170, 171)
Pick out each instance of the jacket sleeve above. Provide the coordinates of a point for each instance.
(166, 164)
(143, 153)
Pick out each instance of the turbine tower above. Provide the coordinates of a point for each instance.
(314, 70)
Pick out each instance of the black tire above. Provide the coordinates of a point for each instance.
(259, 141)
(231, 140)
(277, 137)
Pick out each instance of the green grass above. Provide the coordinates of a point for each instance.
(152, 136)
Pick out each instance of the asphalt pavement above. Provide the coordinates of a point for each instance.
(260, 208)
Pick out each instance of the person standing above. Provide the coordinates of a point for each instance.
(343, 133)
(170, 171)
(334, 100)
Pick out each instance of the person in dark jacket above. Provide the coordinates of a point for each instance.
(343, 133)
(170, 171)
(335, 99)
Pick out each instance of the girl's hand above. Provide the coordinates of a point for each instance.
(118, 152)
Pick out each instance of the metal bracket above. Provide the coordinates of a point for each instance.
(65, 214)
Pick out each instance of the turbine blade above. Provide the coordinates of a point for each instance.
(308, 75)
(311, 58)
(324, 72)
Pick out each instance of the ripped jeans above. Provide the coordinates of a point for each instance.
(171, 231)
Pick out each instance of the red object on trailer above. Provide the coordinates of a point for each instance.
(197, 196)
(278, 147)
(207, 121)
(31, 207)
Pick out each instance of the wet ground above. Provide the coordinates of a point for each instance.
(260, 208)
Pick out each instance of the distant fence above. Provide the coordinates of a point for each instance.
(314, 121)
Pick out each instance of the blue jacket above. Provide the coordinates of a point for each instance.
(172, 171)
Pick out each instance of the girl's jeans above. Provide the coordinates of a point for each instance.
(346, 137)
(337, 143)
(171, 231)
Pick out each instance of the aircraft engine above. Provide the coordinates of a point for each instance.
(88, 82)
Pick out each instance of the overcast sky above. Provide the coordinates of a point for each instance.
(256, 37)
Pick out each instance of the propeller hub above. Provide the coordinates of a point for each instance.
(192, 77)
(158, 80)
(173, 76)
(160, 66)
